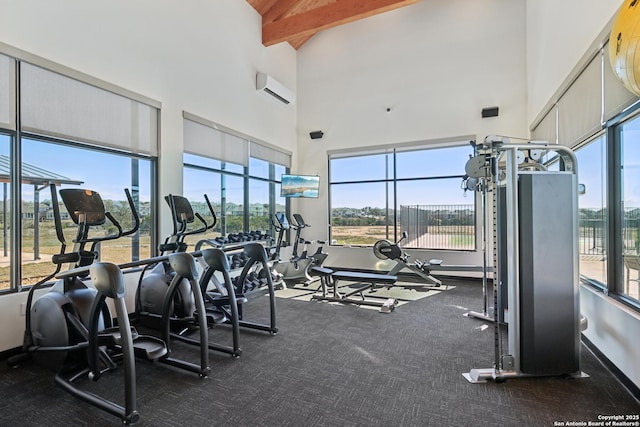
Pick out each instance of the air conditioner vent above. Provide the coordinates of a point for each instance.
(267, 84)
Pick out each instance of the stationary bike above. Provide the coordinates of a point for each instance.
(298, 268)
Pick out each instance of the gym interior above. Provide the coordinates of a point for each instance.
(458, 181)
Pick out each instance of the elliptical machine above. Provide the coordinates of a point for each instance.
(156, 277)
(69, 298)
(163, 294)
(70, 328)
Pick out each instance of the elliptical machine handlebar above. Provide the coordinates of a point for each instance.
(134, 215)
(213, 212)
(182, 214)
(83, 218)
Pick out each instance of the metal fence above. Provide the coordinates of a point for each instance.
(453, 227)
(592, 231)
(439, 226)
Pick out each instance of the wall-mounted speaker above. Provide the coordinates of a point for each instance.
(489, 112)
(316, 134)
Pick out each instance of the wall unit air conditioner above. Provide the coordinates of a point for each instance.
(267, 84)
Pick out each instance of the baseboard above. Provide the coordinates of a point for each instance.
(4, 355)
(617, 373)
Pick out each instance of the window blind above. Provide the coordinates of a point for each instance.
(269, 154)
(546, 130)
(616, 96)
(7, 93)
(203, 139)
(55, 105)
(580, 107)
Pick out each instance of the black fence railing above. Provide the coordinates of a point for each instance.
(592, 231)
(439, 226)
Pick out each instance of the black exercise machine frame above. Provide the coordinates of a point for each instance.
(329, 279)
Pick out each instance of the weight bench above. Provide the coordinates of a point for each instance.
(330, 278)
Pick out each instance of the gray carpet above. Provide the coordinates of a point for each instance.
(336, 365)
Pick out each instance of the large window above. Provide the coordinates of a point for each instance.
(72, 166)
(609, 209)
(72, 131)
(378, 196)
(594, 114)
(5, 237)
(592, 161)
(264, 193)
(244, 201)
(241, 176)
(629, 215)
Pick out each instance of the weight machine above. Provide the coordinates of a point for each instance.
(535, 250)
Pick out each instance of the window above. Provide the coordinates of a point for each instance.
(264, 194)
(377, 196)
(225, 190)
(609, 210)
(73, 166)
(598, 117)
(199, 182)
(241, 176)
(629, 215)
(236, 210)
(5, 237)
(75, 131)
(592, 207)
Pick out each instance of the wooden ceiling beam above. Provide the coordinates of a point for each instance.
(297, 42)
(262, 6)
(278, 10)
(327, 16)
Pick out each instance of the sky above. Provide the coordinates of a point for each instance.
(107, 174)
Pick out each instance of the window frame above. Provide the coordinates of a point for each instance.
(586, 279)
(392, 182)
(18, 132)
(246, 177)
(615, 275)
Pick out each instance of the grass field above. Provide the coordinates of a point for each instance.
(443, 237)
(119, 251)
(34, 270)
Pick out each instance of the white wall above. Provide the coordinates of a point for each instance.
(613, 329)
(199, 56)
(436, 64)
(558, 34)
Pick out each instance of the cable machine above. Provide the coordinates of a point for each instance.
(535, 254)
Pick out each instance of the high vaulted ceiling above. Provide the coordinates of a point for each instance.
(296, 21)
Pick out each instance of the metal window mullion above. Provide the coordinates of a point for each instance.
(15, 270)
(329, 203)
(245, 210)
(155, 198)
(614, 207)
(395, 199)
(272, 194)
